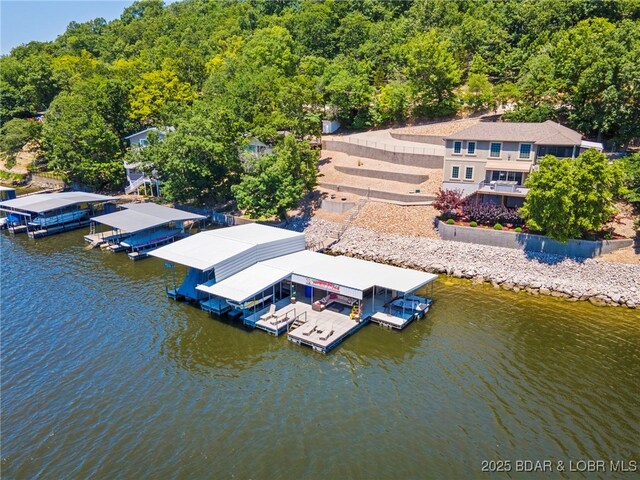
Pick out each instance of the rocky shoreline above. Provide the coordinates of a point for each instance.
(596, 281)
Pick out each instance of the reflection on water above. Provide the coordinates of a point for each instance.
(103, 376)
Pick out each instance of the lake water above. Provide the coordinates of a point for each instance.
(104, 377)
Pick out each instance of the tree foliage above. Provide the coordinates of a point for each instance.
(274, 67)
(157, 96)
(77, 140)
(631, 168)
(199, 161)
(273, 184)
(16, 133)
(569, 198)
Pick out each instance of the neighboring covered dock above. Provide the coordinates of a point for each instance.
(140, 227)
(49, 213)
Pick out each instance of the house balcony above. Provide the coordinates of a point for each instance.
(503, 187)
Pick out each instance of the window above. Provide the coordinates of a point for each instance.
(468, 173)
(498, 175)
(457, 148)
(471, 148)
(558, 151)
(495, 150)
(455, 172)
(525, 150)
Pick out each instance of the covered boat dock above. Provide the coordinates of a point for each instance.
(214, 255)
(319, 300)
(140, 227)
(48, 213)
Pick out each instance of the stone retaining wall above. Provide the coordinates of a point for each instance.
(414, 178)
(46, 181)
(529, 242)
(398, 158)
(587, 279)
(409, 198)
(336, 206)
(429, 139)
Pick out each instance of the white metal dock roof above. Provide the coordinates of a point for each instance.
(202, 250)
(247, 283)
(141, 216)
(229, 250)
(160, 211)
(353, 272)
(348, 272)
(129, 221)
(44, 202)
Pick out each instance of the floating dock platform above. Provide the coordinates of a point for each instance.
(393, 316)
(325, 330)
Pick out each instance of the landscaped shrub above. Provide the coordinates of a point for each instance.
(497, 226)
(473, 224)
(449, 203)
(490, 214)
(450, 221)
(518, 230)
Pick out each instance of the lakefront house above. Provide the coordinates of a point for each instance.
(136, 177)
(493, 159)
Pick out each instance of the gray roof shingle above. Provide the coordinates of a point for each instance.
(546, 133)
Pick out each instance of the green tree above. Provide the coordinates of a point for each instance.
(434, 73)
(156, 98)
(631, 167)
(351, 93)
(200, 160)
(275, 183)
(16, 133)
(394, 102)
(479, 94)
(569, 198)
(71, 69)
(77, 140)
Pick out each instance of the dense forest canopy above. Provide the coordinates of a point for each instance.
(224, 71)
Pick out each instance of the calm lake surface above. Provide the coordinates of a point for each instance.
(104, 377)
